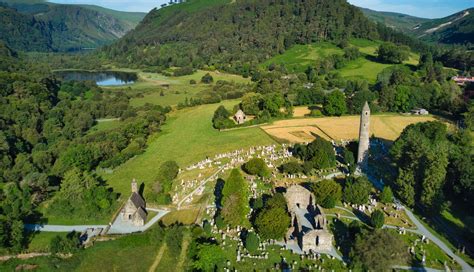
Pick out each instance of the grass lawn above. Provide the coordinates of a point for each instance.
(135, 252)
(186, 217)
(299, 57)
(41, 240)
(187, 137)
(148, 88)
(103, 125)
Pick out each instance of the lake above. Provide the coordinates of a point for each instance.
(102, 78)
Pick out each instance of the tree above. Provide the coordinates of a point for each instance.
(273, 220)
(256, 166)
(252, 242)
(386, 196)
(65, 245)
(421, 155)
(349, 160)
(251, 103)
(334, 104)
(391, 53)
(207, 79)
(377, 219)
(208, 257)
(326, 193)
(319, 152)
(235, 200)
(371, 253)
(291, 167)
(356, 191)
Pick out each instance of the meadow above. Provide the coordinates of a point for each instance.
(187, 137)
(297, 59)
(385, 126)
(149, 87)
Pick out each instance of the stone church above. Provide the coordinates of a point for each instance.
(308, 222)
(134, 211)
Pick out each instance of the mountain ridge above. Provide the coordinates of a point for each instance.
(62, 27)
(457, 28)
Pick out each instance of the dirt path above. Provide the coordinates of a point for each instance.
(184, 250)
(158, 258)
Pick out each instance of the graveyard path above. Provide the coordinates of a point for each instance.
(180, 203)
(158, 258)
(465, 266)
(424, 231)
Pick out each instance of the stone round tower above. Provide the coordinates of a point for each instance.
(363, 152)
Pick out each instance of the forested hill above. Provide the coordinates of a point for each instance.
(454, 29)
(398, 21)
(43, 26)
(239, 32)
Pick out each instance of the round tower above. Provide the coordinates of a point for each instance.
(363, 152)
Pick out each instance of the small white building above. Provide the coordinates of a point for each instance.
(419, 111)
(240, 117)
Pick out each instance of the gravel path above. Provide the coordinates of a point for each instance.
(421, 229)
(118, 227)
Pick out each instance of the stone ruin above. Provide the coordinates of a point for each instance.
(308, 222)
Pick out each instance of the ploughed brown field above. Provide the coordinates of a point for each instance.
(386, 127)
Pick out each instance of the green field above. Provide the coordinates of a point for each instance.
(297, 59)
(120, 254)
(187, 137)
(148, 88)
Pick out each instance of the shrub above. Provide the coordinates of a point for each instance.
(192, 82)
(357, 191)
(377, 219)
(327, 193)
(183, 71)
(252, 242)
(329, 202)
(256, 166)
(207, 79)
(386, 196)
(291, 168)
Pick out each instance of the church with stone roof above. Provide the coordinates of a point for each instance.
(134, 211)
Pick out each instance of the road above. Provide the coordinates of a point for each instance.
(116, 228)
(421, 229)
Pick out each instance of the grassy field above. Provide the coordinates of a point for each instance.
(40, 241)
(297, 59)
(387, 126)
(135, 252)
(187, 137)
(149, 87)
(104, 125)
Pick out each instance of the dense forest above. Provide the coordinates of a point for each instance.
(237, 36)
(45, 144)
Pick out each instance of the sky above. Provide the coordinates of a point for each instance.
(420, 8)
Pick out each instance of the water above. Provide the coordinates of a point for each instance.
(103, 78)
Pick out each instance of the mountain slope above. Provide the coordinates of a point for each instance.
(240, 32)
(454, 29)
(398, 21)
(62, 27)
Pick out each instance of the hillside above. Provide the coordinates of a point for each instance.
(242, 33)
(57, 27)
(454, 29)
(398, 21)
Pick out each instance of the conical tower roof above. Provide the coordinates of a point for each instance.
(366, 107)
